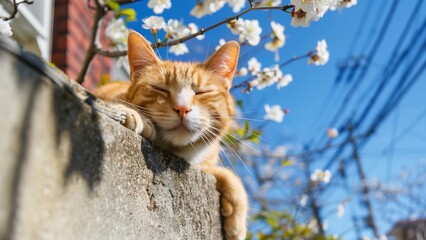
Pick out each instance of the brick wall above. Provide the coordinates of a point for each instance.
(71, 34)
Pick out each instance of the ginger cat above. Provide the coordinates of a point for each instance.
(184, 108)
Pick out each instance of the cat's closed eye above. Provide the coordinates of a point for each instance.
(159, 89)
(204, 92)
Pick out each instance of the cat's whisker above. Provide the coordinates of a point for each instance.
(196, 150)
(237, 127)
(238, 156)
(205, 57)
(230, 162)
(251, 119)
(234, 152)
(241, 141)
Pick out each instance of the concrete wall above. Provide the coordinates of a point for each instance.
(68, 172)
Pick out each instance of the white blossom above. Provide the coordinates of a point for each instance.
(270, 3)
(278, 38)
(153, 22)
(250, 31)
(339, 4)
(325, 225)
(221, 43)
(207, 7)
(316, 7)
(117, 31)
(332, 133)
(284, 81)
(274, 113)
(304, 200)
(199, 11)
(321, 56)
(280, 151)
(298, 19)
(241, 72)
(159, 5)
(179, 49)
(175, 29)
(214, 5)
(383, 237)
(236, 5)
(123, 62)
(235, 26)
(5, 29)
(193, 28)
(306, 11)
(340, 210)
(321, 176)
(254, 66)
(267, 77)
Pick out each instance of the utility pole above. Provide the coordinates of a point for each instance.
(364, 188)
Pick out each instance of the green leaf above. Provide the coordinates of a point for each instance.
(286, 163)
(229, 138)
(254, 138)
(272, 222)
(240, 132)
(256, 132)
(113, 5)
(240, 104)
(130, 14)
(246, 126)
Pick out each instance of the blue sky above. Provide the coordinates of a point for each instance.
(314, 97)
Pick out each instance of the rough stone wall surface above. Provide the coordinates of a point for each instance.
(67, 172)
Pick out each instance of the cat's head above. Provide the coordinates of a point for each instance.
(188, 102)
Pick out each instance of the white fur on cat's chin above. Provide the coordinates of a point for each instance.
(191, 131)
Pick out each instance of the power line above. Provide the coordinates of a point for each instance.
(365, 67)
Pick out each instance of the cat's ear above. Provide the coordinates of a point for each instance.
(140, 53)
(225, 60)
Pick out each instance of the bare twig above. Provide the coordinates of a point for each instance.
(15, 8)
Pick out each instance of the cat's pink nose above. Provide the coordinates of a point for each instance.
(182, 110)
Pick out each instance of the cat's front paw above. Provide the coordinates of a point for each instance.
(133, 121)
(234, 211)
(138, 123)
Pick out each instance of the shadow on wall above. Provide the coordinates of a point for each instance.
(87, 146)
(22, 72)
(159, 163)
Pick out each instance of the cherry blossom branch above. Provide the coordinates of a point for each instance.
(200, 32)
(246, 83)
(15, 8)
(227, 20)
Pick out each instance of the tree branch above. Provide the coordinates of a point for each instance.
(111, 54)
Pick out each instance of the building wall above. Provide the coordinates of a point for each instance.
(72, 23)
(32, 26)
